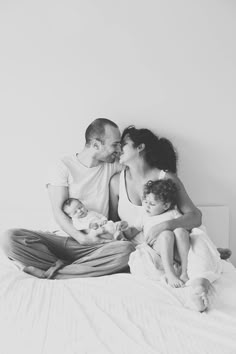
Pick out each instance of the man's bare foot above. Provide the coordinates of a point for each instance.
(52, 270)
(184, 277)
(225, 253)
(198, 300)
(36, 272)
(174, 281)
(48, 274)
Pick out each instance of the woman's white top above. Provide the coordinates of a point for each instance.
(128, 211)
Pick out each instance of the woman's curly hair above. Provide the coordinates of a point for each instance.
(163, 189)
(158, 152)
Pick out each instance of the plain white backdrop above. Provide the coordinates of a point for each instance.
(165, 65)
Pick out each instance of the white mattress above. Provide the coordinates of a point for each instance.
(112, 314)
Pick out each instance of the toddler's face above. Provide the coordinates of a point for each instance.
(153, 206)
(76, 209)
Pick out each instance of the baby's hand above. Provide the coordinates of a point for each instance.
(93, 225)
(95, 237)
(103, 222)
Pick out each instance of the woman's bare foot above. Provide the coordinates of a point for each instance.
(225, 253)
(198, 300)
(174, 281)
(184, 277)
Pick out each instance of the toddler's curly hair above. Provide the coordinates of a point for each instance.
(163, 189)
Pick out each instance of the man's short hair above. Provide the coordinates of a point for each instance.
(96, 130)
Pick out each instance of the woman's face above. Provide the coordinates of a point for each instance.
(128, 151)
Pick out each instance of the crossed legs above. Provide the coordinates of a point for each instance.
(46, 255)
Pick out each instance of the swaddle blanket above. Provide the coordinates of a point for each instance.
(203, 259)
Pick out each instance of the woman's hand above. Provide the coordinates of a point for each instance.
(155, 231)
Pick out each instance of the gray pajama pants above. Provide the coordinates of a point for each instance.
(43, 250)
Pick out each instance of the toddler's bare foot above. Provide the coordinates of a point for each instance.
(184, 277)
(174, 281)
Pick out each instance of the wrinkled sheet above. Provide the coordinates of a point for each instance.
(112, 314)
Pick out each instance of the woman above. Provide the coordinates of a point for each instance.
(148, 157)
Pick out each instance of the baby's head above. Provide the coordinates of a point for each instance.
(159, 196)
(74, 208)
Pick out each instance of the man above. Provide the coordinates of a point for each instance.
(70, 253)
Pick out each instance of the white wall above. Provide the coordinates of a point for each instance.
(166, 65)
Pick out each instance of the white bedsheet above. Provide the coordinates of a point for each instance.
(112, 314)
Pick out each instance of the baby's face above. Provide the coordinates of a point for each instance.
(76, 209)
(153, 206)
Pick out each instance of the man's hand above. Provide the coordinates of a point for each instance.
(155, 232)
(94, 238)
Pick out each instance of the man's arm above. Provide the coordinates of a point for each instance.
(57, 195)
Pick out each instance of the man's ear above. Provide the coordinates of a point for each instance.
(96, 144)
(141, 147)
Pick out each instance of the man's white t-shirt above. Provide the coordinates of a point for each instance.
(88, 184)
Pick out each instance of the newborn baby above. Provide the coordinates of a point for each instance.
(91, 222)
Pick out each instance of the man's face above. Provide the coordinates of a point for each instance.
(110, 147)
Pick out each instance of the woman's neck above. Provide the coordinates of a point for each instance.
(140, 169)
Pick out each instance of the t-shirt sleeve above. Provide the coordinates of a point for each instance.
(58, 175)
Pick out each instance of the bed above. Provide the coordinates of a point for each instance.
(119, 314)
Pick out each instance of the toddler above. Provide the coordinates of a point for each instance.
(159, 202)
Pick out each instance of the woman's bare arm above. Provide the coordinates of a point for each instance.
(114, 197)
(192, 216)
